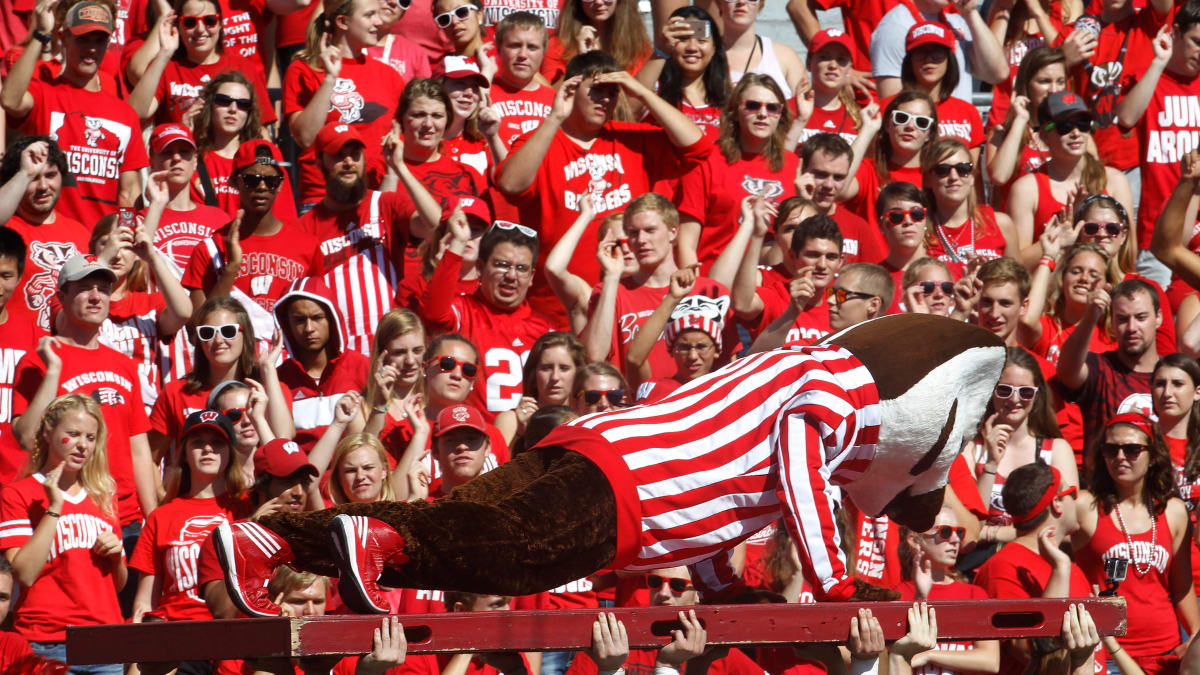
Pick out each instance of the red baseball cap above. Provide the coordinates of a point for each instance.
(831, 36)
(258, 151)
(463, 68)
(929, 32)
(334, 136)
(87, 17)
(474, 207)
(458, 416)
(166, 134)
(281, 458)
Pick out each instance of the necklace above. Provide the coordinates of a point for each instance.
(1137, 567)
(950, 249)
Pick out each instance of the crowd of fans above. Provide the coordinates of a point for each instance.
(464, 222)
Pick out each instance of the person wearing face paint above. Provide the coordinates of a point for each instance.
(61, 531)
(257, 254)
(909, 125)
(190, 54)
(76, 361)
(333, 80)
(32, 173)
(826, 161)
(204, 487)
(1070, 173)
(1131, 510)
(498, 317)
(99, 133)
(927, 567)
(579, 148)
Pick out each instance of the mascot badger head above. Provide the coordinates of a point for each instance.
(934, 376)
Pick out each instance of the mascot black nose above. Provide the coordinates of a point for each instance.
(917, 513)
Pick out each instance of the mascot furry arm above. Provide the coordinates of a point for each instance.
(878, 411)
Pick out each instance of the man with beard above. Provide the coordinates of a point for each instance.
(362, 231)
(824, 169)
(1115, 381)
(31, 173)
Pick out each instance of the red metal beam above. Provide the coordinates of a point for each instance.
(648, 627)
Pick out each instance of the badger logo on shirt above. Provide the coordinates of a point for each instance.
(93, 130)
(346, 101)
(108, 396)
(49, 256)
(712, 308)
(769, 189)
(597, 185)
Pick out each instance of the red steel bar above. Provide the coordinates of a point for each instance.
(648, 627)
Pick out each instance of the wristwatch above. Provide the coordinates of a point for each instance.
(41, 37)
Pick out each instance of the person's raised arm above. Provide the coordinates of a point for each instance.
(416, 450)
(1072, 361)
(437, 303)
(872, 122)
(233, 265)
(725, 269)
(388, 646)
(597, 336)
(144, 98)
(988, 60)
(1059, 583)
(773, 336)
(1004, 157)
(682, 282)
(1172, 224)
(569, 288)
(746, 303)
(282, 7)
(682, 131)
(25, 426)
(178, 304)
(306, 123)
(521, 168)
(1133, 106)
(428, 210)
(804, 19)
(279, 410)
(1056, 238)
(343, 412)
(28, 560)
(14, 93)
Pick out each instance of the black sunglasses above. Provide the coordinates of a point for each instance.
(234, 414)
(963, 169)
(190, 22)
(772, 108)
(927, 287)
(1111, 229)
(449, 363)
(592, 396)
(1131, 450)
(897, 216)
(943, 533)
(1067, 126)
(225, 100)
(251, 181)
(676, 584)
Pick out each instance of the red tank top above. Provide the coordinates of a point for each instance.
(997, 515)
(1152, 626)
(1047, 204)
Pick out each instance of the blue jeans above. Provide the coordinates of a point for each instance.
(58, 651)
(556, 663)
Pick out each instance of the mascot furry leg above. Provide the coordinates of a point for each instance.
(878, 411)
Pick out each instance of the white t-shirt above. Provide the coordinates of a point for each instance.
(887, 46)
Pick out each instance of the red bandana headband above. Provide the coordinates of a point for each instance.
(1051, 493)
(1136, 420)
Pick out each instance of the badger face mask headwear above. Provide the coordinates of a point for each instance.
(930, 400)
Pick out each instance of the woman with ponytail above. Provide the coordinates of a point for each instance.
(333, 80)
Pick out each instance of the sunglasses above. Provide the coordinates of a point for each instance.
(251, 181)
(208, 332)
(1065, 127)
(234, 414)
(1111, 229)
(962, 168)
(459, 13)
(593, 396)
(1130, 450)
(943, 533)
(190, 22)
(509, 225)
(1006, 391)
(686, 348)
(225, 100)
(403, 4)
(901, 118)
(773, 108)
(841, 295)
(927, 287)
(449, 363)
(897, 216)
(676, 584)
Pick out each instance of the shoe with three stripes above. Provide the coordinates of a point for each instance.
(363, 547)
(249, 554)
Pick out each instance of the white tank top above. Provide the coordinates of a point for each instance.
(767, 65)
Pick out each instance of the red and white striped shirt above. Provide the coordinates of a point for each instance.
(722, 456)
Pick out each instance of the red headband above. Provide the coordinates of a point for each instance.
(1136, 420)
(1051, 493)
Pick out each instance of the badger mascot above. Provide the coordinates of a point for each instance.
(879, 411)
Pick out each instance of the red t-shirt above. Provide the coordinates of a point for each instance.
(869, 185)
(313, 402)
(862, 240)
(961, 120)
(712, 195)
(636, 302)
(546, 10)
(20, 338)
(706, 116)
(74, 588)
(179, 232)
(641, 662)
(624, 161)
(836, 121)
(446, 179)
(1165, 132)
(810, 325)
(656, 389)
(100, 134)
(47, 247)
(520, 110)
(269, 263)
(472, 157)
(132, 329)
(169, 547)
(181, 83)
(242, 21)
(227, 197)
(173, 406)
(503, 337)
(111, 379)
(401, 54)
(365, 95)
(955, 590)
